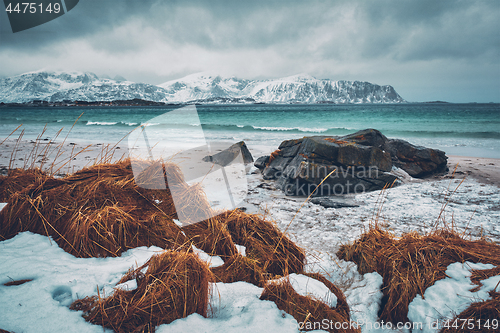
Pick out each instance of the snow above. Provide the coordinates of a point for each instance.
(127, 285)
(42, 305)
(450, 296)
(303, 88)
(212, 261)
(59, 278)
(2, 205)
(241, 249)
(235, 307)
(364, 298)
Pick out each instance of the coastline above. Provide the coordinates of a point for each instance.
(483, 169)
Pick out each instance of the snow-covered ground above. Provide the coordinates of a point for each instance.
(58, 278)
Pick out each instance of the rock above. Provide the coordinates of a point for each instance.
(367, 137)
(261, 162)
(353, 163)
(228, 155)
(329, 203)
(417, 161)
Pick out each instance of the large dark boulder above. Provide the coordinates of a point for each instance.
(417, 161)
(353, 163)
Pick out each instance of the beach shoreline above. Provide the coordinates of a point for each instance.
(483, 169)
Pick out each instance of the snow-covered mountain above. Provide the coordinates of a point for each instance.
(202, 87)
(74, 86)
(292, 89)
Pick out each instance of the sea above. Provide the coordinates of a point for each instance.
(457, 129)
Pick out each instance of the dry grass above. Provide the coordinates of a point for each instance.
(483, 274)
(273, 155)
(174, 286)
(17, 282)
(306, 310)
(96, 212)
(412, 263)
(212, 237)
(274, 252)
(239, 268)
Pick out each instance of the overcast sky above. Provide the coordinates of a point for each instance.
(426, 49)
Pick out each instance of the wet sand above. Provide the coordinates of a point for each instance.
(484, 170)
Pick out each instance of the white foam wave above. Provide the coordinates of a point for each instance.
(301, 129)
(102, 123)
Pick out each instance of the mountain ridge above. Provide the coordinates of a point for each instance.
(199, 87)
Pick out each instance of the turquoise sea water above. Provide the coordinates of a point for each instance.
(458, 129)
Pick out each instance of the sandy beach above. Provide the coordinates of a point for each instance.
(484, 170)
(77, 155)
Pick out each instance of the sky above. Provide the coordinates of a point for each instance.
(427, 50)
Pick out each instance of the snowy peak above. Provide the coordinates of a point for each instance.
(205, 87)
(73, 86)
(301, 88)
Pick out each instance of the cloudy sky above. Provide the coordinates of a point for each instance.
(427, 49)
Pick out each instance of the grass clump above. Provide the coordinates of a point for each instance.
(309, 313)
(174, 285)
(274, 252)
(96, 212)
(412, 263)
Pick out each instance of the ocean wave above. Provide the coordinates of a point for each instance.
(312, 130)
(231, 127)
(253, 128)
(110, 123)
(287, 129)
(101, 123)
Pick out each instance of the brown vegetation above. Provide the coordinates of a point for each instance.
(273, 155)
(309, 312)
(174, 286)
(101, 211)
(105, 209)
(412, 263)
(96, 212)
(340, 142)
(274, 252)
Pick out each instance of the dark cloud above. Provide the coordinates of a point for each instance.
(155, 40)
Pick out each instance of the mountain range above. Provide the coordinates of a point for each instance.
(195, 88)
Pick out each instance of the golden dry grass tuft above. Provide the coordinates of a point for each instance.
(412, 263)
(274, 252)
(96, 212)
(308, 312)
(174, 286)
(239, 268)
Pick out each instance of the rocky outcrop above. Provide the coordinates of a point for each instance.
(226, 156)
(417, 161)
(354, 163)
